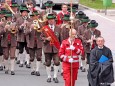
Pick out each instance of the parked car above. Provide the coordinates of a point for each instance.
(57, 2)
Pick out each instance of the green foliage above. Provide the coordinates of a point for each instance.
(96, 4)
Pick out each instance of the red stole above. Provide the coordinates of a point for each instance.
(54, 40)
(92, 46)
(9, 37)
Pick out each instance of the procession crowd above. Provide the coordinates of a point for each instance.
(68, 39)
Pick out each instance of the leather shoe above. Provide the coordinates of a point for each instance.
(37, 73)
(62, 74)
(83, 70)
(33, 73)
(21, 65)
(4, 67)
(18, 62)
(25, 63)
(52, 68)
(49, 80)
(1, 68)
(55, 80)
(6, 71)
(28, 66)
(12, 73)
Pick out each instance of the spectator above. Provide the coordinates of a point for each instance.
(101, 65)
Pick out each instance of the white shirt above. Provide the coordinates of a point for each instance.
(70, 41)
(52, 27)
(100, 47)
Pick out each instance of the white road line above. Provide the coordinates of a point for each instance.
(102, 16)
(105, 18)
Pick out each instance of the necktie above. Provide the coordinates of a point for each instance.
(35, 37)
(52, 27)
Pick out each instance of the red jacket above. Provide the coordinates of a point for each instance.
(60, 17)
(65, 52)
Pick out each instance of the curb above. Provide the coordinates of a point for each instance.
(86, 7)
(96, 10)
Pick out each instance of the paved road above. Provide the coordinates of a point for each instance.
(106, 26)
(23, 78)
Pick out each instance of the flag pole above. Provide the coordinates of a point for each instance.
(71, 20)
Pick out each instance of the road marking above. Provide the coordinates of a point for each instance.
(101, 16)
(105, 18)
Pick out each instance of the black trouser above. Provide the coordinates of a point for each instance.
(49, 57)
(35, 52)
(1, 49)
(17, 47)
(21, 47)
(88, 57)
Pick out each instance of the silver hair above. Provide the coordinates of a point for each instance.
(73, 30)
(100, 37)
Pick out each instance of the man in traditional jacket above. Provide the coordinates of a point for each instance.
(2, 20)
(35, 43)
(2, 14)
(69, 51)
(51, 38)
(79, 16)
(65, 27)
(15, 8)
(81, 29)
(1, 54)
(49, 10)
(23, 24)
(77, 21)
(101, 65)
(89, 38)
(8, 32)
